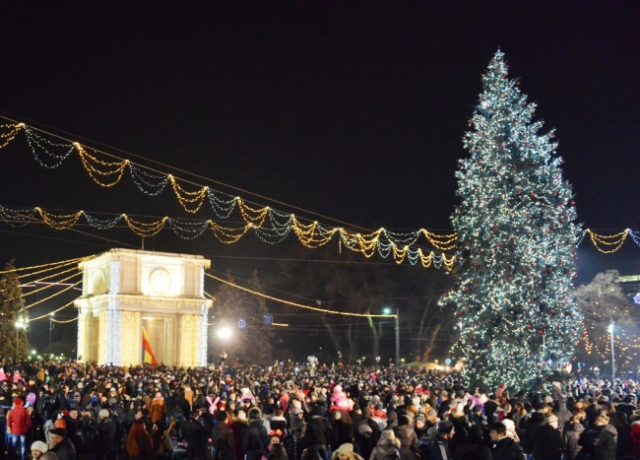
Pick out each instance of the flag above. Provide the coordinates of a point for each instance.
(147, 353)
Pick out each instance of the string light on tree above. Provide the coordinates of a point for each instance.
(516, 241)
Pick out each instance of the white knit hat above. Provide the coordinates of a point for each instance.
(39, 446)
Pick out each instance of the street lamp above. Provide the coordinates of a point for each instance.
(389, 311)
(378, 360)
(596, 370)
(613, 354)
(224, 333)
(50, 329)
(22, 322)
(223, 358)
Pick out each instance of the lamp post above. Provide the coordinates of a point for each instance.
(613, 354)
(21, 323)
(389, 311)
(378, 360)
(50, 329)
(596, 370)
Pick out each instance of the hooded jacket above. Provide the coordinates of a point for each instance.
(601, 442)
(19, 420)
(255, 436)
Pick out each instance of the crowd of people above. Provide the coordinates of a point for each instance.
(71, 410)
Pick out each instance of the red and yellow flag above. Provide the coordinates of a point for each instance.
(147, 352)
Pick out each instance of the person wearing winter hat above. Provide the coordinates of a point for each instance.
(511, 429)
(255, 436)
(345, 452)
(37, 449)
(440, 449)
(19, 424)
(61, 445)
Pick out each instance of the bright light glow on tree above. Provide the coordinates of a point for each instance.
(516, 237)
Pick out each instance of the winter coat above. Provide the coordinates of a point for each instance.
(87, 441)
(19, 420)
(65, 450)
(386, 449)
(571, 437)
(223, 441)
(408, 442)
(107, 433)
(508, 449)
(440, 450)
(158, 410)
(362, 445)
(466, 451)
(548, 443)
(342, 434)
(526, 440)
(600, 442)
(255, 438)
(194, 433)
(318, 431)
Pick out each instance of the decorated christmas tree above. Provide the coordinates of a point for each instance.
(13, 341)
(514, 294)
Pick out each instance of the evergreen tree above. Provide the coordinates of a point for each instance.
(11, 309)
(601, 302)
(516, 240)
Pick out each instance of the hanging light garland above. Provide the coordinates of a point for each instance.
(273, 227)
(270, 226)
(51, 154)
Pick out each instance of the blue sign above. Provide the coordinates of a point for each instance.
(636, 299)
(268, 319)
(242, 324)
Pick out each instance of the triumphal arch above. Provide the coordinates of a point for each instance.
(127, 291)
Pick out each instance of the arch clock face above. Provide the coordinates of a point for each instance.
(160, 280)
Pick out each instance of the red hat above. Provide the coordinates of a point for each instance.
(18, 402)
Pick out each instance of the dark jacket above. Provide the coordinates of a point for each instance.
(408, 442)
(65, 450)
(193, 432)
(529, 428)
(508, 449)
(87, 441)
(548, 443)
(319, 431)
(107, 432)
(466, 451)
(440, 450)
(223, 441)
(363, 445)
(255, 438)
(571, 437)
(600, 442)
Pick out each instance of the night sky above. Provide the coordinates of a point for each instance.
(351, 110)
